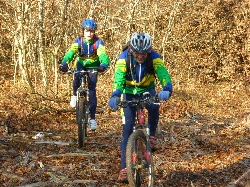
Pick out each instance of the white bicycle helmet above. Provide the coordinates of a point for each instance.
(141, 42)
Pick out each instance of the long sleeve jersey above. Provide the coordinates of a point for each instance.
(90, 54)
(142, 78)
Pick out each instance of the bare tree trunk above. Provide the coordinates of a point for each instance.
(169, 27)
(41, 46)
(19, 43)
(56, 71)
(59, 41)
(92, 8)
(247, 49)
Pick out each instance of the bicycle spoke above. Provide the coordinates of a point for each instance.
(139, 161)
(80, 111)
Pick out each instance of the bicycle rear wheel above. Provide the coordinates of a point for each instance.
(81, 120)
(139, 161)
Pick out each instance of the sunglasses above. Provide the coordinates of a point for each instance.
(139, 54)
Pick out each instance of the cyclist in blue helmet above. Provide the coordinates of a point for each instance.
(89, 24)
(91, 54)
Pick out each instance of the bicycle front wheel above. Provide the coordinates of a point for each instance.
(139, 161)
(81, 120)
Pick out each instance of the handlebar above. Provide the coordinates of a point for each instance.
(71, 71)
(146, 98)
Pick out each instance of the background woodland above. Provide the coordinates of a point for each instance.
(204, 126)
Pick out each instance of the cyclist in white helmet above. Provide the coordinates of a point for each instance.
(135, 74)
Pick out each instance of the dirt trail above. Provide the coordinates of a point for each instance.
(204, 142)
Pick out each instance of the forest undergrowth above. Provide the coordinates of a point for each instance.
(203, 129)
(203, 135)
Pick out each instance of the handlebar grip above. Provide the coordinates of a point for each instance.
(146, 93)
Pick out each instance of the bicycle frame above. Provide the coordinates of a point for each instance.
(139, 160)
(82, 91)
(140, 113)
(141, 125)
(82, 105)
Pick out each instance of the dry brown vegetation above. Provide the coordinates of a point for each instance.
(204, 134)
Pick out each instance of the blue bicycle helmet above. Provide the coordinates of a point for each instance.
(141, 42)
(89, 24)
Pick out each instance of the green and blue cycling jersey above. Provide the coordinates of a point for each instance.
(139, 81)
(90, 54)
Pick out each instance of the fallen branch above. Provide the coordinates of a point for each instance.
(242, 177)
(238, 182)
(51, 183)
(73, 154)
(31, 178)
(13, 176)
(53, 142)
(105, 136)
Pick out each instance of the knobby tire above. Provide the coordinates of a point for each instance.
(81, 120)
(139, 161)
